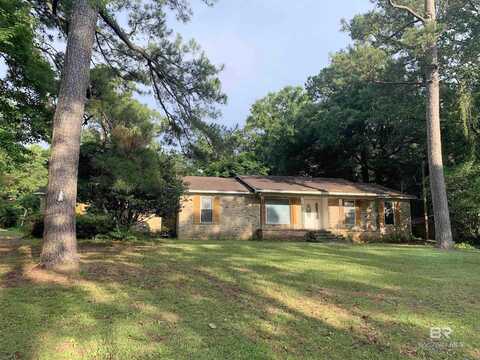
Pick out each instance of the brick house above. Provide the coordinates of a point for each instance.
(273, 207)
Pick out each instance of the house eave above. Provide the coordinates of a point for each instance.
(195, 191)
(327, 193)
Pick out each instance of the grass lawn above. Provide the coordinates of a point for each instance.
(240, 300)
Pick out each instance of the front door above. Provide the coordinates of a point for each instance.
(311, 214)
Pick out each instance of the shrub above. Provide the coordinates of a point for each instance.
(465, 246)
(10, 215)
(35, 225)
(321, 236)
(463, 184)
(393, 238)
(88, 226)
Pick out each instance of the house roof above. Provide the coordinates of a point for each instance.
(289, 184)
(212, 184)
(295, 184)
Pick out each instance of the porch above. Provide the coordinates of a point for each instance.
(291, 217)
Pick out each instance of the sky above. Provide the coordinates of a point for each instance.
(268, 44)
(265, 45)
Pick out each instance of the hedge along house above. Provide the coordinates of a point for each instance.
(272, 207)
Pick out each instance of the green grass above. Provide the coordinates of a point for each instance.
(241, 300)
(11, 233)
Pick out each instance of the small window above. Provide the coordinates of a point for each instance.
(349, 211)
(278, 212)
(389, 213)
(206, 210)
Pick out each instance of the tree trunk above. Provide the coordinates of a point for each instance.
(425, 202)
(443, 231)
(59, 238)
(364, 166)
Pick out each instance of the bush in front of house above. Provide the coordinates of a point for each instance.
(398, 237)
(88, 225)
(34, 224)
(320, 236)
(10, 215)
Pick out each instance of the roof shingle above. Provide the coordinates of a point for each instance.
(291, 184)
(320, 185)
(212, 184)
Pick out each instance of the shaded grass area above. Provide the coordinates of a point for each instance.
(240, 300)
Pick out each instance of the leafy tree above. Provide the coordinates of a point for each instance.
(26, 87)
(463, 183)
(184, 82)
(414, 30)
(19, 186)
(272, 126)
(123, 173)
(224, 152)
(360, 127)
(126, 183)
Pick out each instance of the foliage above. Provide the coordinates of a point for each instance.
(123, 173)
(224, 152)
(463, 184)
(397, 237)
(88, 226)
(363, 129)
(142, 48)
(315, 236)
(127, 183)
(272, 127)
(10, 214)
(20, 186)
(464, 246)
(27, 177)
(345, 123)
(26, 87)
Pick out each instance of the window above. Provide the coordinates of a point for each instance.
(278, 212)
(389, 213)
(206, 210)
(349, 211)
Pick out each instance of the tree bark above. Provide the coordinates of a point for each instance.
(443, 231)
(59, 249)
(425, 202)
(364, 166)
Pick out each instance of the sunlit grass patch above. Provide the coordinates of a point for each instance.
(240, 300)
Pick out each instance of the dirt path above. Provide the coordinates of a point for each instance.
(16, 257)
(9, 242)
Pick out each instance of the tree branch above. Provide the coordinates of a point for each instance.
(407, 9)
(413, 83)
(122, 35)
(396, 33)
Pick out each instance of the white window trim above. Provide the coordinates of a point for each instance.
(201, 208)
(289, 213)
(384, 212)
(354, 213)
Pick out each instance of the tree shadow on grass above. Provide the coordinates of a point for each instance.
(205, 302)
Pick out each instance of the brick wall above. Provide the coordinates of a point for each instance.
(239, 218)
(371, 223)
